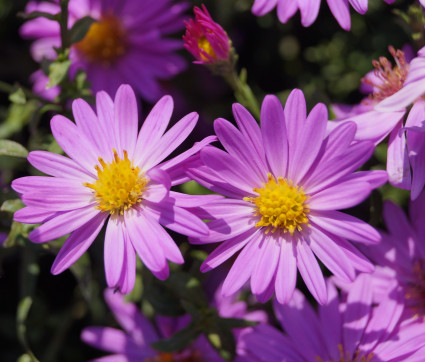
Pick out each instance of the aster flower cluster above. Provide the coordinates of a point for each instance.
(278, 236)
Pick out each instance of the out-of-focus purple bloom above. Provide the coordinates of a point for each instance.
(284, 183)
(347, 329)
(114, 175)
(205, 39)
(133, 344)
(129, 43)
(406, 153)
(400, 257)
(309, 9)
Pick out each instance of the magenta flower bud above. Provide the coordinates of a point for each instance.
(206, 40)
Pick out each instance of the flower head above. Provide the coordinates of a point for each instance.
(383, 113)
(400, 257)
(205, 39)
(309, 9)
(113, 175)
(284, 183)
(349, 328)
(128, 43)
(134, 342)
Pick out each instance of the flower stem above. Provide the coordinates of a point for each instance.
(243, 92)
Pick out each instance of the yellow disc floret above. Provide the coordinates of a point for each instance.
(119, 185)
(205, 45)
(104, 42)
(281, 205)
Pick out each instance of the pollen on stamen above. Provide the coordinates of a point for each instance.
(281, 205)
(119, 186)
(390, 78)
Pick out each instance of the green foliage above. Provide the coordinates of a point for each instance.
(11, 148)
(80, 29)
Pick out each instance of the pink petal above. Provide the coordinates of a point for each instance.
(310, 272)
(114, 251)
(77, 244)
(286, 276)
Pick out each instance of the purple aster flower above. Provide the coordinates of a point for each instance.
(117, 176)
(309, 9)
(133, 344)
(129, 43)
(400, 257)
(406, 153)
(285, 183)
(347, 329)
(205, 39)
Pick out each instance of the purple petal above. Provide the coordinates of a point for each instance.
(144, 240)
(310, 138)
(126, 118)
(331, 255)
(341, 12)
(310, 272)
(249, 128)
(341, 196)
(265, 265)
(235, 144)
(129, 317)
(77, 244)
(176, 219)
(32, 215)
(63, 224)
(274, 135)
(111, 340)
(226, 250)
(74, 143)
(158, 187)
(242, 267)
(154, 125)
(346, 226)
(398, 166)
(356, 315)
(114, 250)
(57, 165)
(309, 10)
(286, 276)
(302, 325)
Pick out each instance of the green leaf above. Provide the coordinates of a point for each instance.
(18, 234)
(179, 340)
(18, 116)
(11, 206)
(38, 14)
(12, 148)
(80, 29)
(18, 96)
(58, 71)
(236, 323)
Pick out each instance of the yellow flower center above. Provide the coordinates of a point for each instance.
(194, 356)
(205, 45)
(119, 185)
(281, 205)
(104, 42)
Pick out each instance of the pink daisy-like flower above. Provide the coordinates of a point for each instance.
(116, 176)
(129, 43)
(406, 154)
(284, 183)
(347, 329)
(134, 343)
(309, 9)
(400, 257)
(205, 39)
